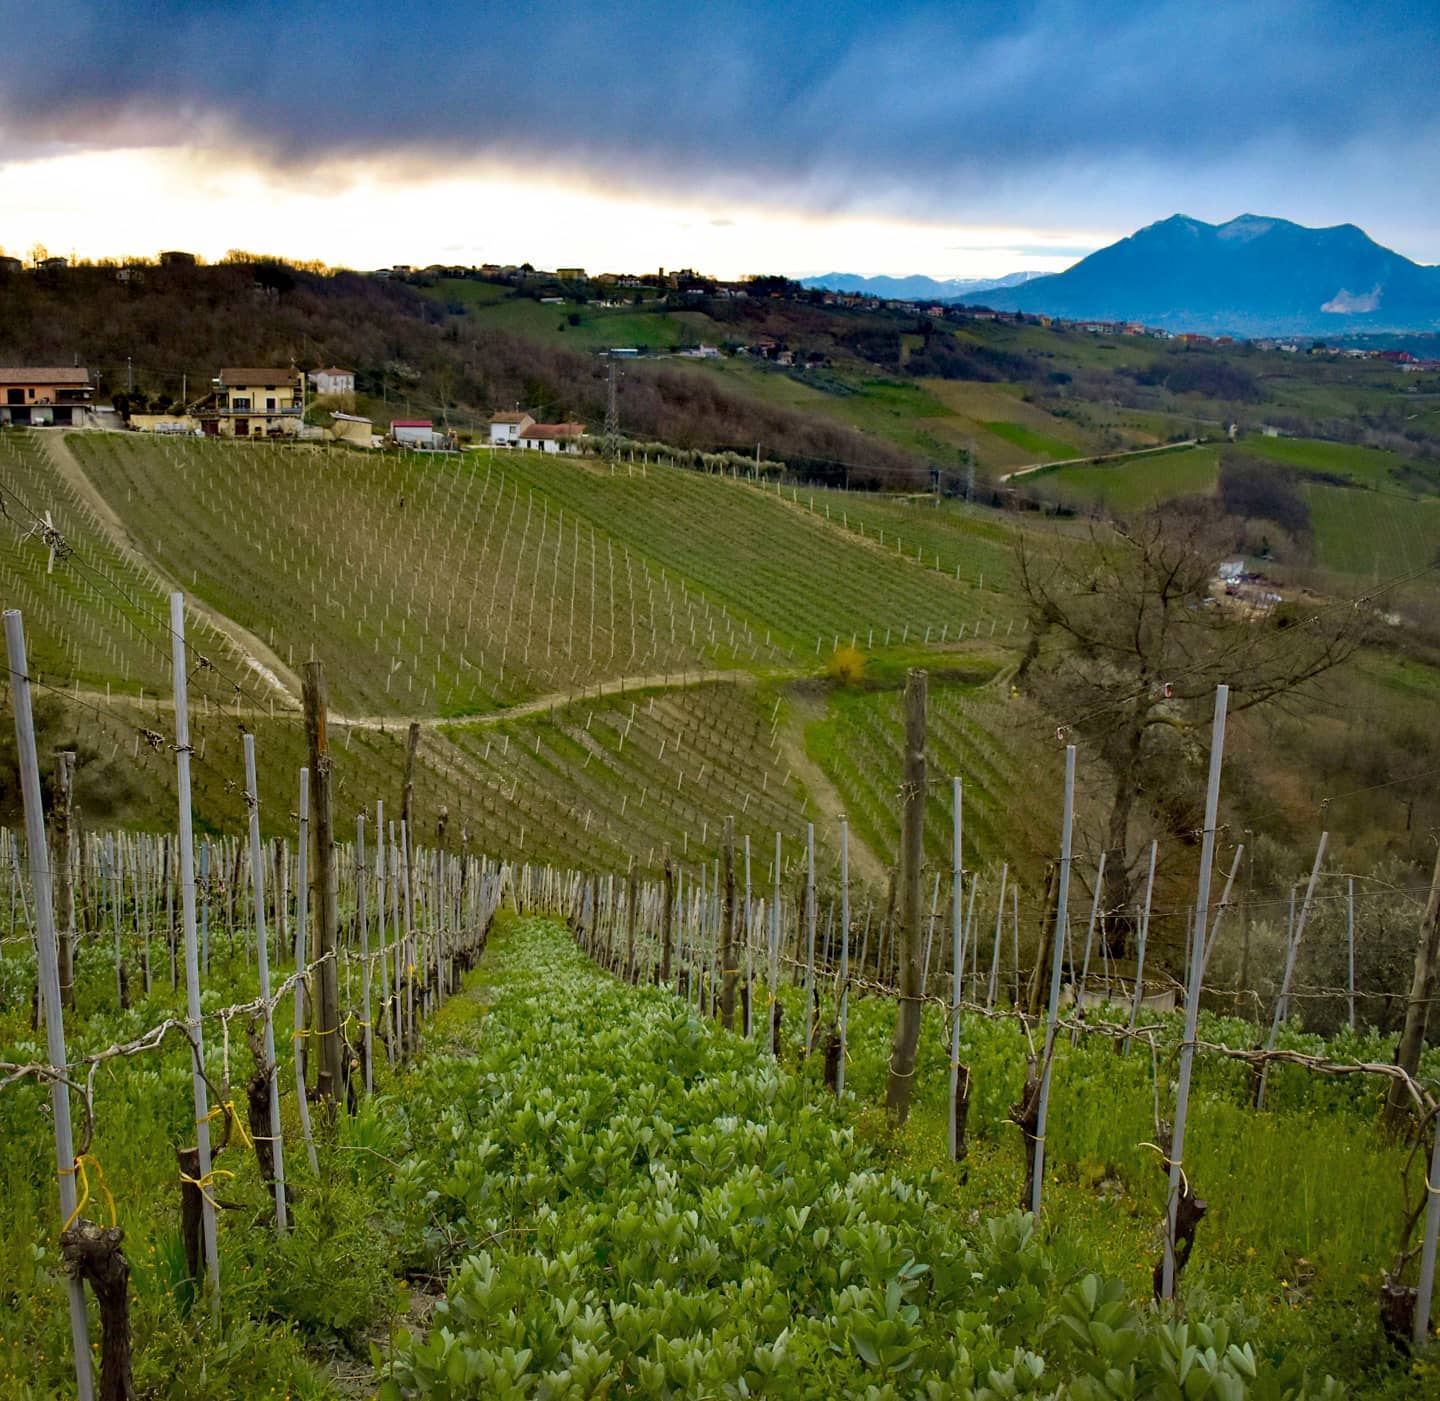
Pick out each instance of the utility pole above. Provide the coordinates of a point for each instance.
(129, 375)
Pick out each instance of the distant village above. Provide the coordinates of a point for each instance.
(270, 402)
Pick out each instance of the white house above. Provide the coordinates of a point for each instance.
(419, 433)
(552, 437)
(333, 381)
(505, 428)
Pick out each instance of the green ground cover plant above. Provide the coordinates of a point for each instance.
(629, 1201)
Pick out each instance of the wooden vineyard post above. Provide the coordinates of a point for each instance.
(46, 950)
(329, 1076)
(776, 1010)
(266, 1070)
(667, 922)
(64, 815)
(302, 944)
(1183, 1209)
(729, 958)
(407, 793)
(843, 1015)
(959, 1074)
(194, 1026)
(1062, 908)
(912, 855)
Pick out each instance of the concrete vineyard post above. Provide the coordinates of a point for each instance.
(1282, 1003)
(844, 1012)
(194, 1026)
(667, 922)
(407, 1040)
(302, 944)
(749, 953)
(1140, 948)
(1425, 1289)
(1350, 951)
(64, 889)
(632, 900)
(46, 950)
(992, 986)
(381, 953)
(1222, 906)
(810, 1015)
(262, 958)
(912, 855)
(329, 1079)
(361, 918)
(729, 958)
(1180, 1189)
(1089, 941)
(1062, 910)
(773, 998)
(205, 905)
(959, 1074)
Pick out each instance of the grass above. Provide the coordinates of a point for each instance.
(1039, 444)
(1134, 484)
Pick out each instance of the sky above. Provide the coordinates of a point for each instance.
(960, 139)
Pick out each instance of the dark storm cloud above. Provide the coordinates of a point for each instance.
(812, 103)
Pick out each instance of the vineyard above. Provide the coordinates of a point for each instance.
(530, 999)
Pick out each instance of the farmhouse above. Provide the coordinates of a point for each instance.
(333, 382)
(505, 428)
(419, 433)
(46, 396)
(552, 437)
(9, 264)
(254, 403)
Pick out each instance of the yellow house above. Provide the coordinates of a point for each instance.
(247, 403)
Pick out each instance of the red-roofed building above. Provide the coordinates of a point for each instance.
(552, 437)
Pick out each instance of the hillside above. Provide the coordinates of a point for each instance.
(845, 395)
(1251, 276)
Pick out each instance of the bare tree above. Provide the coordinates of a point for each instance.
(1129, 638)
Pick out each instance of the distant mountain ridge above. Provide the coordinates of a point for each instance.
(915, 288)
(1252, 276)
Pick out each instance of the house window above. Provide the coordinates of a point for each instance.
(270, 405)
(240, 405)
(14, 396)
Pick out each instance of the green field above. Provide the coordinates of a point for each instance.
(1132, 485)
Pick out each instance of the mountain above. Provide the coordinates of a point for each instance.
(1252, 276)
(914, 289)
